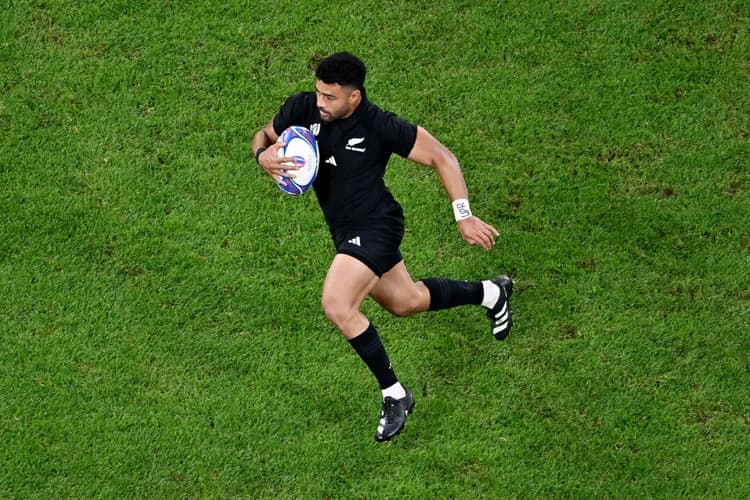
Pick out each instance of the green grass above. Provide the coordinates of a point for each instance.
(160, 327)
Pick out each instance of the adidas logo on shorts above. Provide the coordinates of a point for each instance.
(355, 241)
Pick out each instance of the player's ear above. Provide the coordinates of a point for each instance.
(355, 96)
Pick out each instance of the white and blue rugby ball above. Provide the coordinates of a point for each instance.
(301, 145)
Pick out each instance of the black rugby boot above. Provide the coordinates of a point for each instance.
(393, 416)
(500, 315)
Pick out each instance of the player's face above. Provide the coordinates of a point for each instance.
(336, 102)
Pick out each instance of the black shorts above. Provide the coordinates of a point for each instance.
(376, 246)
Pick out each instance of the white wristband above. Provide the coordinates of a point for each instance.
(461, 209)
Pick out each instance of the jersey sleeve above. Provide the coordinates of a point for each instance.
(293, 112)
(398, 134)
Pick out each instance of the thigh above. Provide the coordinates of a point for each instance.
(397, 292)
(347, 284)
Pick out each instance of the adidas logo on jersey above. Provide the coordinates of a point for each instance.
(332, 161)
(355, 241)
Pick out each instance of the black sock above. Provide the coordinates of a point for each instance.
(445, 293)
(371, 350)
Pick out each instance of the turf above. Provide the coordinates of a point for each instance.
(159, 297)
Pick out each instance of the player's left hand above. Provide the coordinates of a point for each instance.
(477, 232)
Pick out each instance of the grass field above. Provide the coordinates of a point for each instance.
(160, 328)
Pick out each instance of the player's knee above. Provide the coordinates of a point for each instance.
(329, 308)
(336, 312)
(408, 306)
(401, 310)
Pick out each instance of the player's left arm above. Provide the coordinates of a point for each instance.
(430, 152)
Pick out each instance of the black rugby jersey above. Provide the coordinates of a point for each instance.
(354, 153)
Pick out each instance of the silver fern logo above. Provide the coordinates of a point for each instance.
(355, 141)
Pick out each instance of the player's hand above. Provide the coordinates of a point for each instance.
(477, 232)
(278, 167)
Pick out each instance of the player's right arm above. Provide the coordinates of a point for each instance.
(265, 141)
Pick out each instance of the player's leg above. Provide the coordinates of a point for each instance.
(493, 295)
(347, 284)
(398, 293)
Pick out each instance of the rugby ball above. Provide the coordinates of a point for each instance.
(300, 144)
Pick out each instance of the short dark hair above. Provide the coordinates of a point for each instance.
(343, 68)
